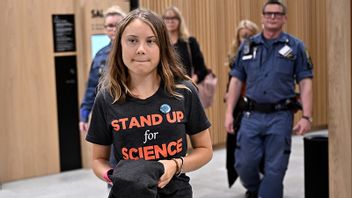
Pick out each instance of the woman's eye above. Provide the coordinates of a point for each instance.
(151, 41)
(131, 41)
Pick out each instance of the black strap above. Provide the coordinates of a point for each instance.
(190, 55)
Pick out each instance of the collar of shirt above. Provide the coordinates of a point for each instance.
(108, 47)
(259, 39)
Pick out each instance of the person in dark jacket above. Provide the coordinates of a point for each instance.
(186, 45)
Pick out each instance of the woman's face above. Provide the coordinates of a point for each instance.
(244, 33)
(140, 51)
(110, 25)
(172, 21)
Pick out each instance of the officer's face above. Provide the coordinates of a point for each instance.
(273, 18)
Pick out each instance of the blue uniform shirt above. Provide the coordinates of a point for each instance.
(97, 67)
(271, 67)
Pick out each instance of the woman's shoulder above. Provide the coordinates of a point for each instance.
(186, 86)
(103, 96)
(193, 42)
(187, 83)
(192, 39)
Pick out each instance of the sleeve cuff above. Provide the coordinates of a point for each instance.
(235, 73)
(303, 76)
(84, 116)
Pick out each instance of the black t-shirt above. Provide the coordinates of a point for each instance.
(151, 129)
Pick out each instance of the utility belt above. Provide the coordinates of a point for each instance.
(290, 104)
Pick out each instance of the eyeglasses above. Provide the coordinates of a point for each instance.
(171, 18)
(110, 26)
(273, 14)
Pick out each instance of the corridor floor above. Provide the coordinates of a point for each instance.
(208, 182)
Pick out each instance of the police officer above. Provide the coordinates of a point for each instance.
(113, 16)
(270, 64)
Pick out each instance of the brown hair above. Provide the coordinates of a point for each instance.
(116, 80)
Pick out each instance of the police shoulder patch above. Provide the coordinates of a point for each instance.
(309, 60)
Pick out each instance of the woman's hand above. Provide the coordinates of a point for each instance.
(170, 168)
(83, 127)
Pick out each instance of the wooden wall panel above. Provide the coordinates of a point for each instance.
(213, 24)
(29, 137)
(338, 28)
(8, 60)
(318, 50)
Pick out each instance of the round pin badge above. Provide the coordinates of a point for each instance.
(165, 108)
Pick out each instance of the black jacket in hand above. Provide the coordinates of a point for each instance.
(136, 178)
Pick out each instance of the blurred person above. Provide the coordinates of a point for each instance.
(270, 65)
(145, 106)
(244, 30)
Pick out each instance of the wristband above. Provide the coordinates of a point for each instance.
(106, 175)
(177, 166)
(181, 167)
(310, 119)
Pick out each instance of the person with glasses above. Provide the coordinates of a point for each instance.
(112, 17)
(270, 64)
(186, 46)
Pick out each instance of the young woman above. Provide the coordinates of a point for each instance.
(145, 107)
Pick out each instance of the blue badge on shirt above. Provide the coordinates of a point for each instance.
(165, 108)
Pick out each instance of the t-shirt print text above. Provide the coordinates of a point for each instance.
(156, 150)
(146, 120)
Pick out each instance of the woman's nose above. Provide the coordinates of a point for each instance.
(141, 48)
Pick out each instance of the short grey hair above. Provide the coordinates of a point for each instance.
(114, 10)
